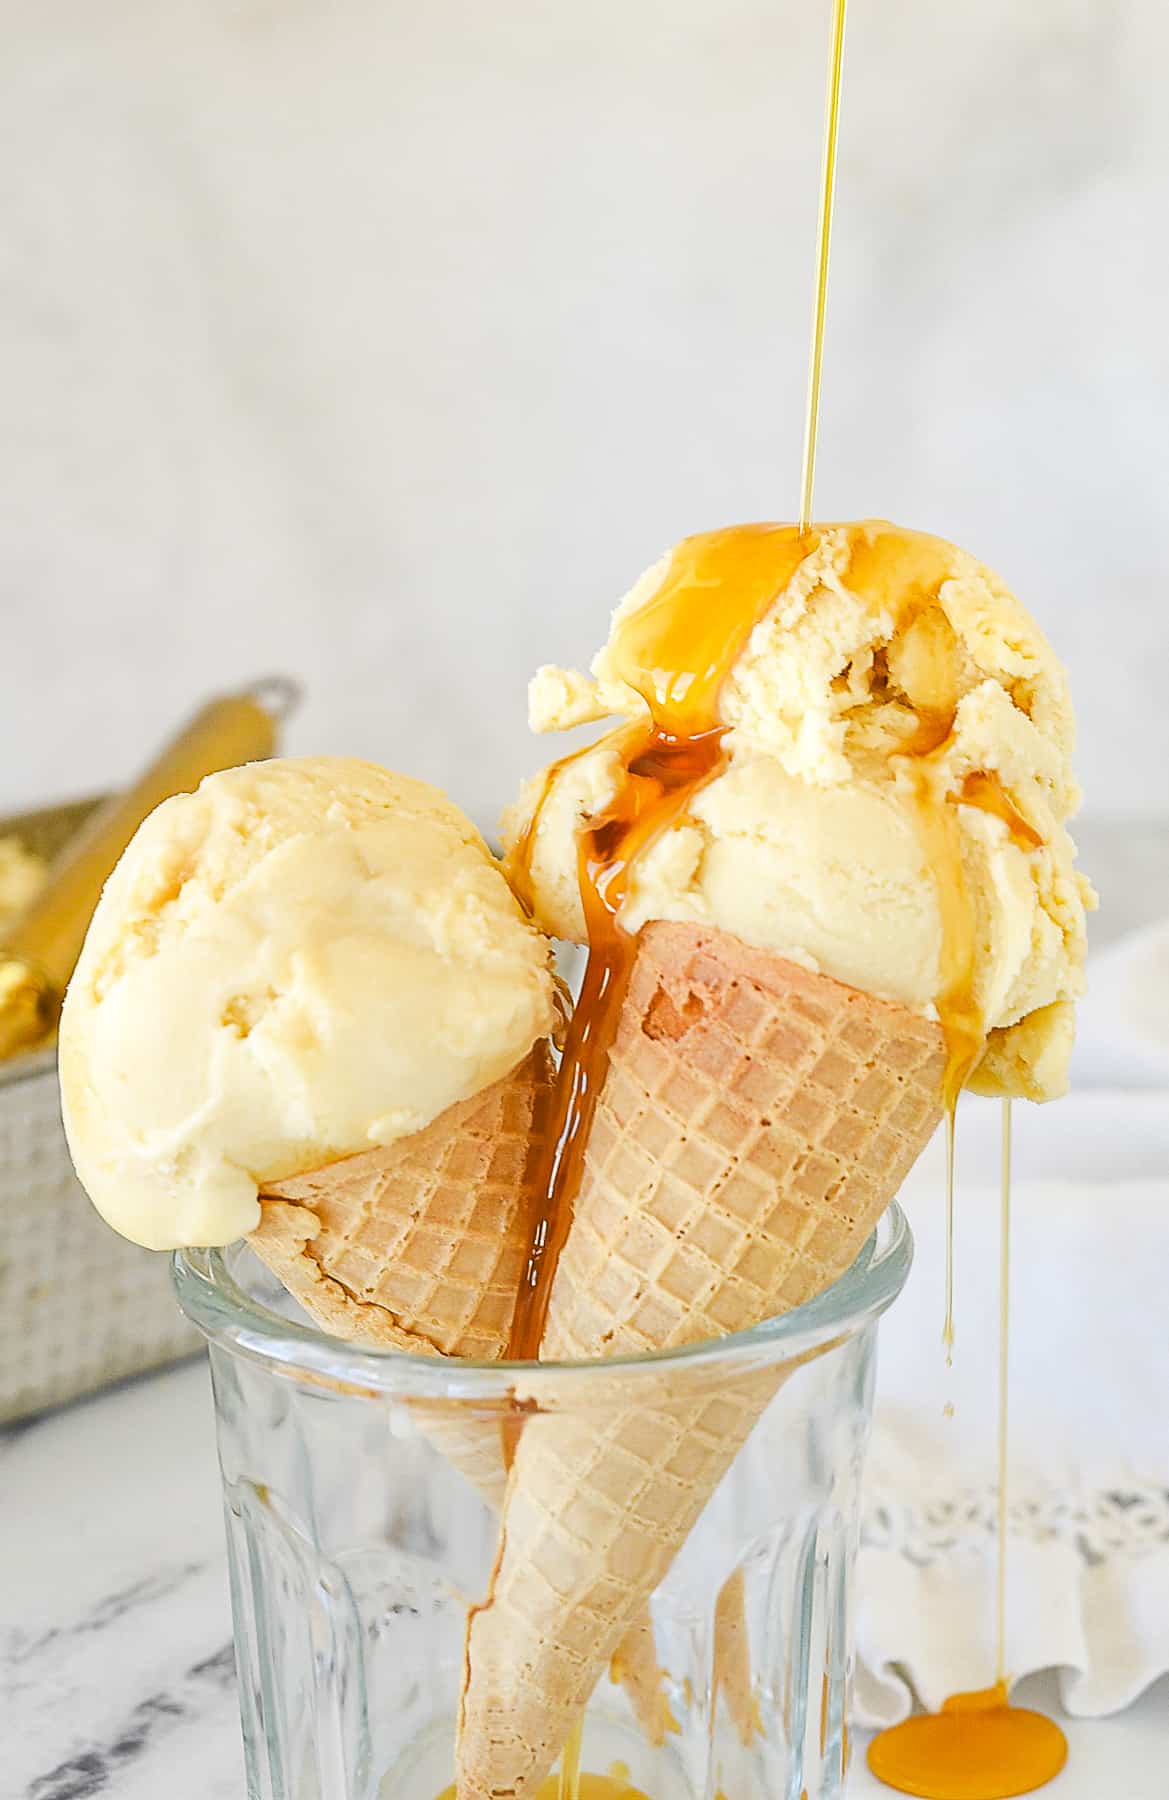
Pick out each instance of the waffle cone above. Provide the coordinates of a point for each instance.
(754, 1122)
(420, 1245)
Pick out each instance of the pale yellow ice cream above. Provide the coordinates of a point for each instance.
(811, 842)
(298, 961)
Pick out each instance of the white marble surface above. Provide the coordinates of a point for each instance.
(387, 343)
(118, 1665)
(116, 1675)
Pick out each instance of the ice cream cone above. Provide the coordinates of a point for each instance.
(420, 1245)
(754, 1122)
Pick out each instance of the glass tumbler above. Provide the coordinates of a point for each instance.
(361, 1494)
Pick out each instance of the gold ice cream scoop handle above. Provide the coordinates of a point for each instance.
(27, 1005)
(38, 954)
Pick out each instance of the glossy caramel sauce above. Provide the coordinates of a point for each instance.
(1000, 1655)
(900, 575)
(823, 247)
(977, 1748)
(987, 792)
(568, 1782)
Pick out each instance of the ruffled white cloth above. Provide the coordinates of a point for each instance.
(1088, 1490)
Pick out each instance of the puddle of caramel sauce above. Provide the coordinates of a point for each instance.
(978, 1747)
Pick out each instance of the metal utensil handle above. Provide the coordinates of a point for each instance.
(45, 941)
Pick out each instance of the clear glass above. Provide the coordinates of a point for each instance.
(360, 1491)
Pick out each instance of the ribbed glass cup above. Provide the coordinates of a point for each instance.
(360, 1490)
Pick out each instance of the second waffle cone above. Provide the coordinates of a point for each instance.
(754, 1123)
(421, 1246)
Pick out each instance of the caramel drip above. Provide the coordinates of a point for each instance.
(898, 573)
(987, 793)
(676, 652)
(941, 839)
(948, 1319)
(678, 648)
(1000, 1669)
(900, 576)
(568, 1784)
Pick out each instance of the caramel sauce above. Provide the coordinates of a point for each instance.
(823, 246)
(568, 1782)
(1000, 1659)
(977, 1748)
(676, 652)
(900, 576)
(987, 792)
(958, 1012)
(897, 572)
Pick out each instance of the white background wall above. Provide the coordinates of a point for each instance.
(383, 343)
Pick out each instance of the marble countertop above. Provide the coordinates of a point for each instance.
(118, 1677)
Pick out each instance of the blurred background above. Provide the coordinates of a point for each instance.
(384, 345)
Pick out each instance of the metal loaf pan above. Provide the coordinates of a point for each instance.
(79, 1306)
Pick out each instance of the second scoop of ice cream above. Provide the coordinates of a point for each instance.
(886, 657)
(299, 961)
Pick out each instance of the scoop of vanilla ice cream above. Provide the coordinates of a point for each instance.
(298, 961)
(809, 842)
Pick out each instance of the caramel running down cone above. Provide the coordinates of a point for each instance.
(754, 1122)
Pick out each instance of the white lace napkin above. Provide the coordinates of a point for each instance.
(1088, 1545)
